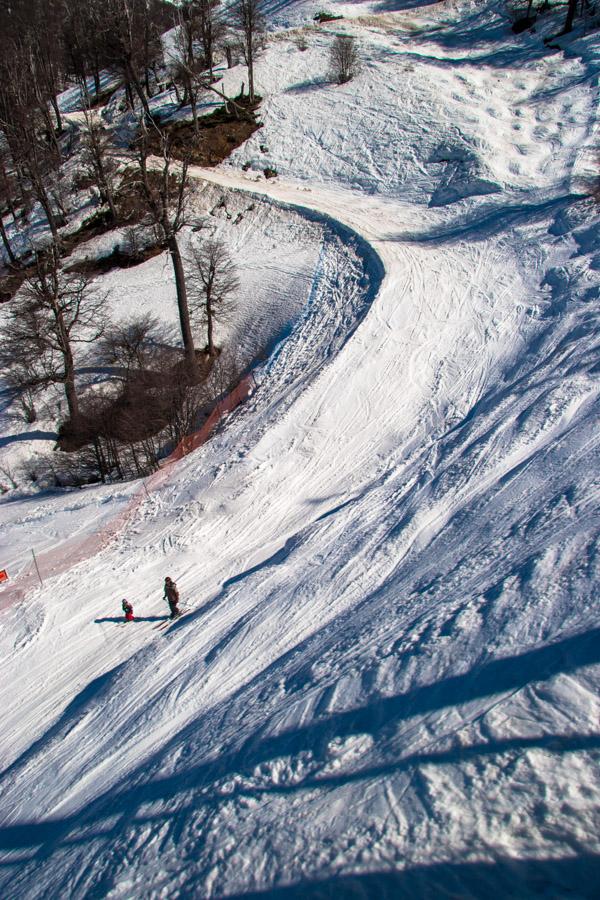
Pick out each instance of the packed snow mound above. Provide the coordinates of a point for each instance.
(462, 176)
(386, 683)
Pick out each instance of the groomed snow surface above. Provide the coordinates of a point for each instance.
(386, 683)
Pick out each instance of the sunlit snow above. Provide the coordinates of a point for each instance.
(386, 683)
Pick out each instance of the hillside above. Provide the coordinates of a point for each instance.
(386, 681)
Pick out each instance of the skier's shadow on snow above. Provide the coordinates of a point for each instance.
(120, 619)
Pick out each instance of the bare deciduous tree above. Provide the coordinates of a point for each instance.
(164, 191)
(33, 150)
(211, 29)
(247, 19)
(8, 191)
(213, 282)
(133, 344)
(83, 28)
(132, 43)
(186, 67)
(53, 311)
(7, 472)
(96, 157)
(25, 377)
(343, 58)
(198, 22)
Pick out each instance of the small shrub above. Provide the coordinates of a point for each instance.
(343, 58)
(270, 173)
(6, 472)
(324, 16)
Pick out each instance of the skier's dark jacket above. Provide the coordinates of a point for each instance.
(171, 592)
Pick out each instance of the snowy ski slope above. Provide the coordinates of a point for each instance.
(387, 681)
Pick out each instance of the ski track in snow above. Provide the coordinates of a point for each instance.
(387, 684)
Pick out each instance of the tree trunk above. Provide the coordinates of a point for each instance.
(102, 468)
(42, 196)
(111, 202)
(64, 344)
(209, 51)
(147, 56)
(571, 10)
(113, 449)
(182, 302)
(135, 82)
(71, 396)
(6, 190)
(11, 256)
(129, 96)
(209, 326)
(22, 191)
(195, 113)
(106, 194)
(56, 108)
(251, 77)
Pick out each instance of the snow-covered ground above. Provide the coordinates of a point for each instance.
(277, 257)
(387, 681)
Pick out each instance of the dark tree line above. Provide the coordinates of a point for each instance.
(43, 45)
(46, 46)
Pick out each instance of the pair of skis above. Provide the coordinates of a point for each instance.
(162, 626)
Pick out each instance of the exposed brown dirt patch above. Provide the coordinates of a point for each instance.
(219, 133)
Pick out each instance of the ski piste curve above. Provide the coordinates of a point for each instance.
(390, 683)
(70, 552)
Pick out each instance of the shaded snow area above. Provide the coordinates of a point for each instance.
(386, 682)
(278, 258)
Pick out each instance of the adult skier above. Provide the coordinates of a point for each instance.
(128, 610)
(172, 597)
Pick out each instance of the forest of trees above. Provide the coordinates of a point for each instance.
(98, 47)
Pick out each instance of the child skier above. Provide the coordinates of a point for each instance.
(128, 610)
(172, 597)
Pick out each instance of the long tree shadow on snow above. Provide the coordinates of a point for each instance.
(474, 34)
(495, 677)
(552, 743)
(36, 435)
(487, 221)
(573, 876)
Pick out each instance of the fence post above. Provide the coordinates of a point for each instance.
(36, 566)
